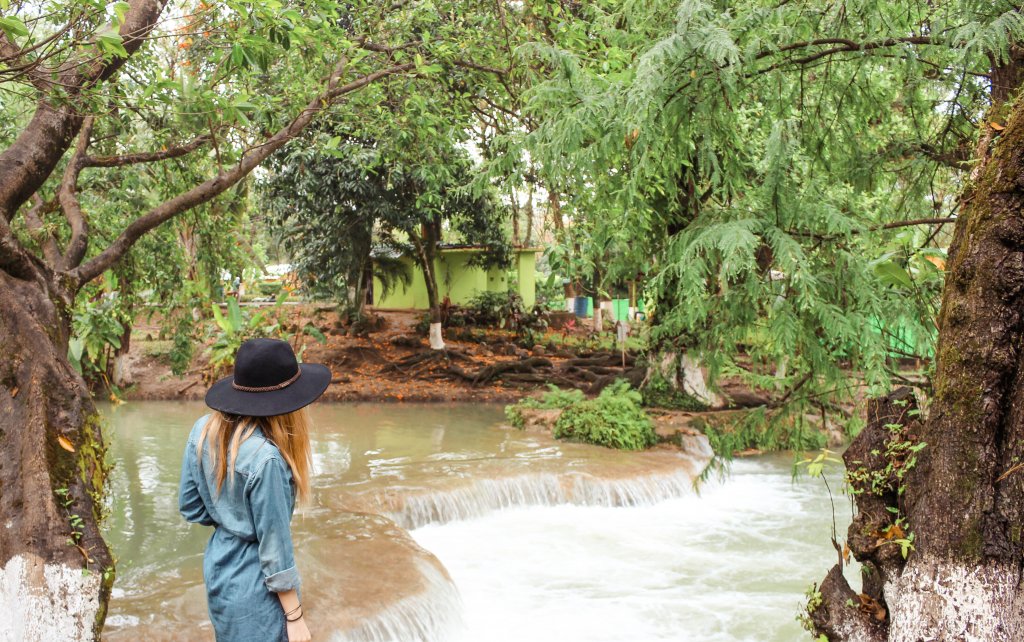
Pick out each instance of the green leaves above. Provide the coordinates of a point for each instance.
(13, 27)
(112, 44)
(891, 273)
(120, 11)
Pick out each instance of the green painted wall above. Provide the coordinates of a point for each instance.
(527, 269)
(459, 281)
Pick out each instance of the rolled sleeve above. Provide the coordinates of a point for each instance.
(271, 501)
(190, 502)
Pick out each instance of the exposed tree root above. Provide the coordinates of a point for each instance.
(488, 373)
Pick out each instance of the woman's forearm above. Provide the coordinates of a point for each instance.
(289, 602)
(297, 629)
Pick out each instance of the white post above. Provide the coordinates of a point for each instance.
(436, 338)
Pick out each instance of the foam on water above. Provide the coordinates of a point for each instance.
(729, 565)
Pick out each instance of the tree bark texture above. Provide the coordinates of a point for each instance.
(965, 499)
(50, 497)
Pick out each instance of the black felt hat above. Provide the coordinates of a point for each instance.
(268, 380)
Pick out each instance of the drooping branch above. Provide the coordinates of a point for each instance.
(67, 195)
(137, 158)
(225, 179)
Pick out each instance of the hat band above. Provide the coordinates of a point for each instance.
(279, 386)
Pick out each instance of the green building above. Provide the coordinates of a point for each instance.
(459, 280)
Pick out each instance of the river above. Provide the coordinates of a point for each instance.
(432, 522)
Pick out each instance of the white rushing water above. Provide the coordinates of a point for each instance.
(731, 564)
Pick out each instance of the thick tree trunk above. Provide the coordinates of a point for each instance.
(965, 500)
(55, 569)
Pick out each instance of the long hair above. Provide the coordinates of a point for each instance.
(289, 432)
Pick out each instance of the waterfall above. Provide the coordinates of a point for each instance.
(482, 496)
(433, 614)
(627, 479)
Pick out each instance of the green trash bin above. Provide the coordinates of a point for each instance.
(620, 309)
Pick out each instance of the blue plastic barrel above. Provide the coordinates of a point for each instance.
(580, 306)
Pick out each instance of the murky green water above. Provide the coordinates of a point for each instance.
(588, 544)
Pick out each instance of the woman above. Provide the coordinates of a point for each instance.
(244, 466)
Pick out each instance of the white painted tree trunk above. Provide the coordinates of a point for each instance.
(692, 381)
(41, 601)
(436, 337)
(122, 375)
(945, 601)
(780, 372)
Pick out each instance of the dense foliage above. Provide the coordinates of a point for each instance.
(780, 174)
(614, 419)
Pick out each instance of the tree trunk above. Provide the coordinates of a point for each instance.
(965, 499)
(427, 246)
(121, 374)
(51, 497)
(515, 219)
(555, 208)
(682, 371)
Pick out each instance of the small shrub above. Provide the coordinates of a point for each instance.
(615, 419)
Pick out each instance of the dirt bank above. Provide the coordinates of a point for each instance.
(394, 364)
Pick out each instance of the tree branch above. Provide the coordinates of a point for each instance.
(917, 221)
(147, 157)
(68, 198)
(847, 44)
(32, 157)
(842, 45)
(10, 52)
(227, 178)
(874, 228)
(957, 158)
(469, 64)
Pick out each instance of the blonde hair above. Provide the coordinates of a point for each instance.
(289, 432)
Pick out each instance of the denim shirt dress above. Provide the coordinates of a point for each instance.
(249, 557)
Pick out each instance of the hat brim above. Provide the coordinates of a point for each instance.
(300, 393)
